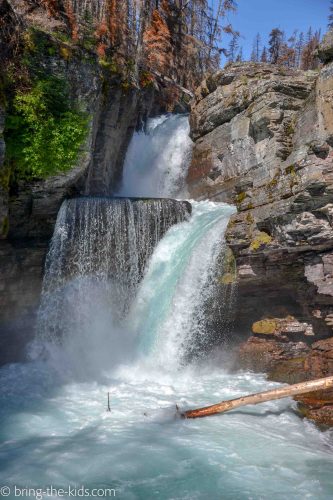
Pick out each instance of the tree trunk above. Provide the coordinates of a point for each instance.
(261, 397)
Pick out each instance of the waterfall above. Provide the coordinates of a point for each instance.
(169, 314)
(97, 257)
(157, 159)
(134, 277)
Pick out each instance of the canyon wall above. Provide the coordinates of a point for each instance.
(263, 141)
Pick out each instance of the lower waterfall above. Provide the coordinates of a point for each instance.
(128, 295)
(100, 243)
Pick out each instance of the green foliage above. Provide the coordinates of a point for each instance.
(146, 79)
(43, 132)
(291, 170)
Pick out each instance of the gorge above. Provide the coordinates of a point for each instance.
(148, 360)
(184, 258)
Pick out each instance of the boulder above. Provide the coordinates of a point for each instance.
(325, 51)
(264, 355)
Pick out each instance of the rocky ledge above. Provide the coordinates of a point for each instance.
(281, 348)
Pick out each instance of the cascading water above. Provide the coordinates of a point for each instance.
(139, 321)
(157, 159)
(168, 314)
(97, 257)
(104, 241)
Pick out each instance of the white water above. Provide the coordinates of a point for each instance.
(56, 430)
(157, 159)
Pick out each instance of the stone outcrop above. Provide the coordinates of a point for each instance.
(263, 141)
(274, 342)
(243, 121)
(291, 362)
(325, 51)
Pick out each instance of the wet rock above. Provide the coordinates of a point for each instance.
(28, 215)
(285, 328)
(2, 142)
(263, 355)
(317, 410)
(3, 179)
(293, 362)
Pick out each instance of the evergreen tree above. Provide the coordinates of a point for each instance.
(309, 58)
(299, 46)
(255, 54)
(330, 17)
(240, 57)
(179, 38)
(275, 45)
(264, 55)
(309, 35)
(233, 48)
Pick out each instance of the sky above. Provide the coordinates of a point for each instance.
(261, 16)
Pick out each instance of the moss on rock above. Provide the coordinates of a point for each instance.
(265, 327)
(261, 240)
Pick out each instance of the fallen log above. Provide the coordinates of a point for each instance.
(261, 397)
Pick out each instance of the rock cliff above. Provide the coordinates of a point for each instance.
(263, 140)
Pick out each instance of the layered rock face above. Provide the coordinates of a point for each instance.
(264, 142)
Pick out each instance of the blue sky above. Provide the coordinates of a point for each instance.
(261, 16)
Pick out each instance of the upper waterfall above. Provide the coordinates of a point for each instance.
(157, 159)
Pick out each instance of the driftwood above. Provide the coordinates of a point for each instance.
(261, 397)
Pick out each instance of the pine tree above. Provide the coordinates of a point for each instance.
(309, 59)
(255, 54)
(330, 17)
(257, 44)
(240, 57)
(233, 48)
(264, 55)
(309, 35)
(157, 43)
(275, 45)
(125, 33)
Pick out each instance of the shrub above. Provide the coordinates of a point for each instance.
(44, 132)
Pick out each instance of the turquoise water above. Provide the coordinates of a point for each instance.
(56, 430)
(59, 433)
